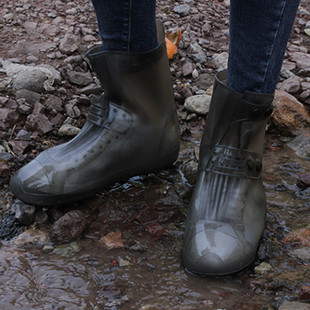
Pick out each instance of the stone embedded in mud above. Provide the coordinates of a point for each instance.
(68, 250)
(70, 226)
(304, 293)
(295, 305)
(301, 144)
(289, 115)
(24, 213)
(199, 104)
(112, 240)
(263, 268)
(301, 236)
(31, 237)
(304, 181)
(301, 253)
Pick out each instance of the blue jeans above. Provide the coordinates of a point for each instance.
(259, 31)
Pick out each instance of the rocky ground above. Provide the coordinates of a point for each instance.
(45, 92)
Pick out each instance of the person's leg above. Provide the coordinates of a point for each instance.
(126, 25)
(259, 31)
(227, 211)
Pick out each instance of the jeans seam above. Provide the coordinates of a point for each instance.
(273, 46)
(129, 25)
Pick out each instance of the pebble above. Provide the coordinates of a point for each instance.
(54, 102)
(220, 61)
(24, 213)
(112, 240)
(190, 171)
(68, 250)
(291, 85)
(304, 293)
(263, 268)
(70, 226)
(187, 69)
(80, 78)
(303, 181)
(199, 104)
(301, 145)
(32, 237)
(30, 96)
(182, 9)
(195, 74)
(302, 253)
(68, 44)
(289, 115)
(68, 130)
(294, 305)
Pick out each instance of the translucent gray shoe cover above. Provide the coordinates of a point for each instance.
(132, 129)
(226, 216)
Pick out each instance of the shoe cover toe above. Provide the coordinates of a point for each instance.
(212, 252)
(32, 178)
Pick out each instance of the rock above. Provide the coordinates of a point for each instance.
(291, 85)
(301, 236)
(187, 69)
(68, 250)
(182, 9)
(197, 53)
(24, 213)
(90, 89)
(30, 96)
(5, 156)
(38, 121)
(32, 237)
(220, 61)
(185, 91)
(263, 268)
(54, 102)
(304, 181)
(8, 118)
(289, 115)
(68, 44)
(195, 74)
(301, 145)
(302, 59)
(33, 78)
(190, 171)
(68, 130)
(4, 172)
(19, 146)
(8, 17)
(72, 110)
(199, 104)
(301, 253)
(112, 240)
(30, 26)
(304, 293)
(294, 305)
(70, 226)
(23, 135)
(80, 78)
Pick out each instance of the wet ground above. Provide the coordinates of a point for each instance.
(146, 271)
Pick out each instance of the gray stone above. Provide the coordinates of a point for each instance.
(190, 171)
(38, 121)
(199, 104)
(30, 96)
(2, 149)
(182, 9)
(302, 59)
(90, 89)
(187, 69)
(301, 145)
(68, 44)
(34, 78)
(68, 130)
(220, 61)
(24, 213)
(80, 78)
(195, 74)
(301, 253)
(294, 305)
(263, 268)
(291, 85)
(54, 102)
(32, 237)
(70, 226)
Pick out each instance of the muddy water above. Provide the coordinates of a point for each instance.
(147, 272)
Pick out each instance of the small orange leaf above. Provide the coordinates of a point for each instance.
(172, 41)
